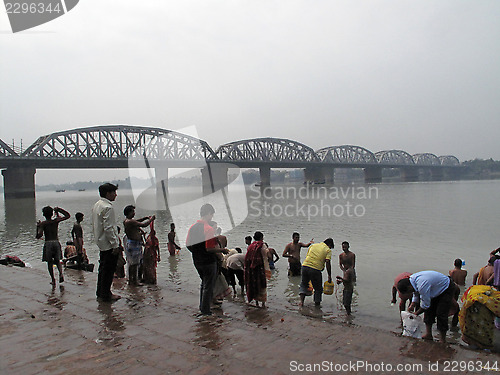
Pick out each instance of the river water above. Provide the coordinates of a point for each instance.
(392, 227)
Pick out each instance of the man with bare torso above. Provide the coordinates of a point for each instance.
(485, 273)
(457, 274)
(172, 246)
(133, 246)
(292, 252)
(77, 235)
(272, 256)
(347, 260)
(52, 253)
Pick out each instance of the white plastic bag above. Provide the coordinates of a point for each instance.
(412, 324)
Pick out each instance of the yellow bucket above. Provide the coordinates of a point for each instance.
(328, 287)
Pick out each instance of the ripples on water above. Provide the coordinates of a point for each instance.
(409, 227)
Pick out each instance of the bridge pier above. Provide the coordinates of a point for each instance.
(265, 176)
(161, 182)
(409, 174)
(329, 175)
(19, 182)
(319, 175)
(436, 174)
(373, 174)
(214, 177)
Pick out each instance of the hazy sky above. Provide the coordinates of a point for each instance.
(421, 76)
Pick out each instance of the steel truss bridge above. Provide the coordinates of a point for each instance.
(114, 146)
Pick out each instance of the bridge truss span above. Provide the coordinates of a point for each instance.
(267, 150)
(119, 142)
(449, 161)
(394, 157)
(6, 151)
(346, 154)
(426, 159)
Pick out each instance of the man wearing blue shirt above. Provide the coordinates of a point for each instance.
(434, 291)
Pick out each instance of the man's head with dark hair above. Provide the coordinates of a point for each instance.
(217, 229)
(329, 242)
(47, 212)
(248, 240)
(107, 188)
(238, 249)
(458, 263)
(295, 237)
(172, 226)
(404, 286)
(258, 236)
(79, 216)
(206, 210)
(345, 246)
(128, 210)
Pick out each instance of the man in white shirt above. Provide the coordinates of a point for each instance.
(106, 238)
(235, 267)
(435, 293)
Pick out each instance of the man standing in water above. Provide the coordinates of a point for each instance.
(318, 256)
(292, 252)
(347, 260)
(133, 246)
(171, 245)
(77, 235)
(106, 238)
(203, 245)
(52, 253)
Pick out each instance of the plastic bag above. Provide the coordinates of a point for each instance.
(412, 324)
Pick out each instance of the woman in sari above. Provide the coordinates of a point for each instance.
(151, 256)
(257, 270)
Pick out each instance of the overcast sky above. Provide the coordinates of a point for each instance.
(421, 76)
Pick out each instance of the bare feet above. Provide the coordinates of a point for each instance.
(427, 337)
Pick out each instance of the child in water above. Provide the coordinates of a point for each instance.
(348, 281)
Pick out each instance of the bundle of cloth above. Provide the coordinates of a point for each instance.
(481, 304)
(12, 260)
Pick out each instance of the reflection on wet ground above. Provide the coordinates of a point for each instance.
(426, 351)
(78, 276)
(56, 298)
(259, 316)
(112, 323)
(173, 274)
(207, 332)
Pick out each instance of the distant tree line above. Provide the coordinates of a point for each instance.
(482, 169)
